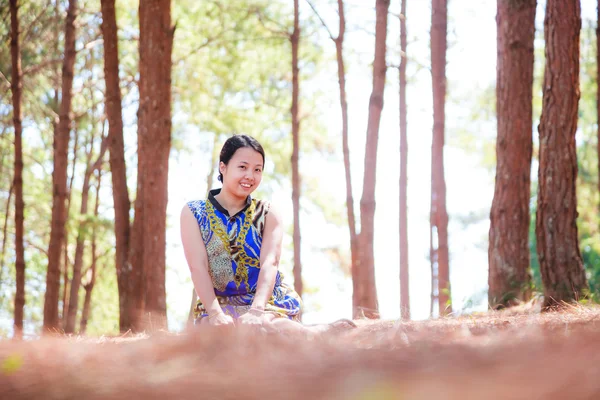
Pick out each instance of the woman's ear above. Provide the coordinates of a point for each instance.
(222, 167)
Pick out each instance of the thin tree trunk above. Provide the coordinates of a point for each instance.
(5, 238)
(79, 246)
(154, 129)
(66, 262)
(295, 40)
(439, 20)
(339, 51)
(508, 252)
(135, 284)
(368, 293)
(118, 169)
(89, 287)
(59, 177)
(561, 265)
(433, 262)
(2, 150)
(404, 282)
(16, 86)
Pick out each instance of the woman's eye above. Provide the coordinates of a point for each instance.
(242, 166)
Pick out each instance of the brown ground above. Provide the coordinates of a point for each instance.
(510, 355)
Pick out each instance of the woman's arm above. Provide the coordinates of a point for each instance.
(197, 259)
(270, 254)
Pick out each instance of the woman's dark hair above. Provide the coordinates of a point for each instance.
(236, 142)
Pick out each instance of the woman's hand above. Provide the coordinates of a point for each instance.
(253, 317)
(220, 318)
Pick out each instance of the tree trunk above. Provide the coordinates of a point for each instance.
(295, 40)
(59, 177)
(89, 287)
(339, 51)
(135, 282)
(404, 280)
(154, 132)
(5, 238)
(66, 262)
(368, 293)
(16, 86)
(433, 262)
(561, 265)
(508, 252)
(118, 168)
(79, 246)
(439, 215)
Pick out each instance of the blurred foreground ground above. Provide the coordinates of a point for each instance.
(502, 355)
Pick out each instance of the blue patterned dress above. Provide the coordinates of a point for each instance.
(233, 246)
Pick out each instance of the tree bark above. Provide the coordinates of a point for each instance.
(508, 252)
(5, 237)
(295, 40)
(66, 262)
(79, 246)
(439, 215)
(561, 265)
(339, 51)
(118, 169)
(154, 133)
(404, 276)
(59, 177)
(368, 291)
(16, 88)
(89, 287)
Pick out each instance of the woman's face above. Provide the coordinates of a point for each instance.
(243, 173)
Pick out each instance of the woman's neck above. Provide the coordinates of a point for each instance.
(232, 203)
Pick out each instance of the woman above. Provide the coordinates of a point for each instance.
(232, 244)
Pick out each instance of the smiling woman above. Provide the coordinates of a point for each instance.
(232, 244)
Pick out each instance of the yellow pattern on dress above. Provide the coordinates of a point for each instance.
(242, 259)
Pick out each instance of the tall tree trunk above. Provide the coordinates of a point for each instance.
(16, 86)
(433, 262)
(368, 292)
(561, 265)
(5, 238)
(439, 215)
(79, 246)
(59, 177)
(508, 252)
(118, 168)
(295, 40)
(89, 287)
(154, 131)
(2, 149)
(66, 262)
(339, 51)
(404, 282)
(135, 283)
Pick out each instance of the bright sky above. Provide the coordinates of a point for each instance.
(471, 69)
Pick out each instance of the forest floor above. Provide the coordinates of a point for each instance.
(514, 354)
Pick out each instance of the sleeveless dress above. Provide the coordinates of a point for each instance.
(233, 246)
